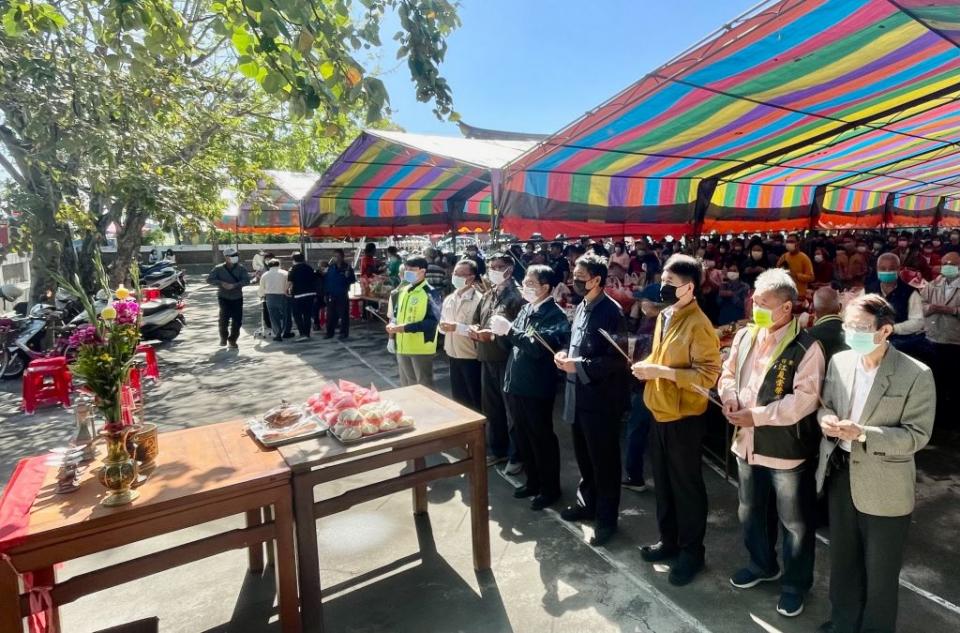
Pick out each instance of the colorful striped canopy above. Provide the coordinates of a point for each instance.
(801, 113)
(274, 208)
(393, 183)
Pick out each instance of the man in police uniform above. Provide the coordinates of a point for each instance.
(413, 324)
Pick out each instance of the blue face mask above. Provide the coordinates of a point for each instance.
(887, 276)
(949, 271)
(410, 276)
(860, 342)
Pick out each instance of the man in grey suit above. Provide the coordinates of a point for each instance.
(878, 410)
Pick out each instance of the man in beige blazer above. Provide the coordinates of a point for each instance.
(878, 410)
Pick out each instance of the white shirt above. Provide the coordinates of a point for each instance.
(273, 282)
(862, 383)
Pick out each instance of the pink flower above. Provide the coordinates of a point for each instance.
(127, 312)
(85, 335)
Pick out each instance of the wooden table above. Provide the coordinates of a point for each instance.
(441, 424)
(203, 474)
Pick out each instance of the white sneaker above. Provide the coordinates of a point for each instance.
(513, 468)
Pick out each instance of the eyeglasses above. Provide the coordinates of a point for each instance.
(863, 329)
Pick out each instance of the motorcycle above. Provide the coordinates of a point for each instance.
(39, 333)
(161, 319)
(170, 281)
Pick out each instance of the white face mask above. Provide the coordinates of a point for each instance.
(235, 259)
(497, 277)
(733, 275)
(530, 295)
(459, 282)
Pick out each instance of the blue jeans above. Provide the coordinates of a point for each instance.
(277, 308)
(794, 492)
(638, 431)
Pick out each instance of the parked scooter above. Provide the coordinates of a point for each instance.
(160, 319)
(170, 281)
(24, 338)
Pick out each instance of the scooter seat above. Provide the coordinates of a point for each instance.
(152, 307)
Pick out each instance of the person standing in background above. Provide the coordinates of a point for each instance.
(394, 263)
(799, 265)
(595, 397)
(413, 324)
(369, 266)
(456, 316)
(473, 254)
(274, 289)
(229, 277)
(336, 284)
(502, 299)
(685, 357)
(301, 280)
(941, 305)
(828, 325)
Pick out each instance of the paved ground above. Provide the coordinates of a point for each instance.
(385, 572)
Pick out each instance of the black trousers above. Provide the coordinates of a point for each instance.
(537, 445)
(866, 554)
(675, 448)
(494, 407)
(302, 308)
(944, 357)
(596, 444)
(231, 315)
(319, 304)
(465, 381)
(338, 312)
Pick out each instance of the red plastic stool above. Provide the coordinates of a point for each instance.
(152, 370)
(46, 383)
(49, 361)
(356, 308)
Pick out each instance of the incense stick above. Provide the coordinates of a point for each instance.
(706, 394)
(372, 311)
(542, 342)
(607, 336)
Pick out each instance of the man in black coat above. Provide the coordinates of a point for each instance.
(595, 397)
(828, 328)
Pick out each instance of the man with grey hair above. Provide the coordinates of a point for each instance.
(770, 387)
(828, 328)
(908, 334)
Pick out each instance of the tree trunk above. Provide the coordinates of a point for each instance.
(129, 238)
(47, 240)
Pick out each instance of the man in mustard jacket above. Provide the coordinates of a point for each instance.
(685, 359)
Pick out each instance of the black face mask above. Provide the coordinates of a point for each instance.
(580, 287)
(668, 294)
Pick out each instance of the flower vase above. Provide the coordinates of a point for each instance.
(119, 471)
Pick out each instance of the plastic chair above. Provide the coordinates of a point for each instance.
(152, 369)
(46, 381)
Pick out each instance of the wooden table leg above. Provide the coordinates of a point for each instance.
(268, 517)
(10, 619)
(420, 491)
(286, 565)
(255, 551)
(479, 511)
(308, 559)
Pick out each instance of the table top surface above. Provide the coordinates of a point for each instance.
(434, 415)
(193, 463)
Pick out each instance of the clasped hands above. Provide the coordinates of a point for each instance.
(832, 426)
(649, 371)
(738, 416)
(394, 328)
(566, 364)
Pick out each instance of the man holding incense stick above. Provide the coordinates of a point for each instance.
(685, 355)
(770, 388)
(595, 397)
(530, 383)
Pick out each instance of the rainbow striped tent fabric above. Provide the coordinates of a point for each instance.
(274, 207)
(798, 114)
(394, 183)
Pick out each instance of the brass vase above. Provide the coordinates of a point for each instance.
(148, 447)
(119, 471)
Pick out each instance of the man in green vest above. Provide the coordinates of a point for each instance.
(413, 324)
(770, 388)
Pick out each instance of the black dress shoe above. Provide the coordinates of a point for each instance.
(657, 552)
(826, 627)
(602, 535)
(524, 492)
(684, 571)
(576, 513)
(543, 501)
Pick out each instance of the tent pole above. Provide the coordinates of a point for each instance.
(303, 245)
(938, 215)
(704, 193)
(816, 206)
(887, 213)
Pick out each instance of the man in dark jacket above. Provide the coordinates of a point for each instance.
(503, 299)
(229, 277)
(302, 293)
(531, 384)
(595, 398)
(336, 284)
(828, 328)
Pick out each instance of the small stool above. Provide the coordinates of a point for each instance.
(356, 308)
(46, 383)
(152, 369)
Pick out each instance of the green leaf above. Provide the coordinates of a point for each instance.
(242, 40)
(250, 69)
(305, 41)
(274, 82)
(326, 70)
